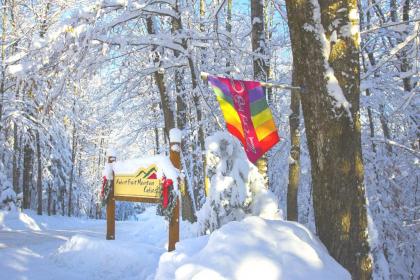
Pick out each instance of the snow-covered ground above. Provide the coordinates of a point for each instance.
(42, 247)
(252, 249)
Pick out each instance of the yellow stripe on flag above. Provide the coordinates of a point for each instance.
(217, 91)
(262, 117)
(230, 114)
(265, 129)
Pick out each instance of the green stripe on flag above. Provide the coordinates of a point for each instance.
(258, 106)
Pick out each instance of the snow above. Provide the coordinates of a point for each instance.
(108, 171)
(15, 69)
(236, 190)
(176, 148)
(7, 194)
(111, 152)
(175, 135)
(58, 247)
(333, 37)
(252, 249)
(49, 88)
(163, 164)
(10, 221)
(353, 26)
(42, 247)
(16, 57)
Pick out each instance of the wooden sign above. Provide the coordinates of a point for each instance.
(142, 185)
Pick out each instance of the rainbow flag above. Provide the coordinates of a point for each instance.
(247, 114)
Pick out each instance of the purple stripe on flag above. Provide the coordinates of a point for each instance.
(217, 83)
(256, 94)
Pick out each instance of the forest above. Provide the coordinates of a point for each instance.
(78, 77)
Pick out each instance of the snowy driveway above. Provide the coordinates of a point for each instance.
(40, 247)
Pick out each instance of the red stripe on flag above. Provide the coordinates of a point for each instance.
(269, 141)
(233, 130)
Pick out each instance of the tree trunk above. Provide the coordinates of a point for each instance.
(259, 64)
(3, 57)
(62, 198)
(330, 102)
(54, 209)
(405, 63)
(39, 177)
(16, 163)
(268, 24)
(49, 200)
(100, 153)
(157, 150)
(27, 175)
(168, 114)
(294, 165)
(229, 31)
(382, 117)
(187, 205)
(73, 157)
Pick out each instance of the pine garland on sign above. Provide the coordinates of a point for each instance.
(168, 199)
(106, 191)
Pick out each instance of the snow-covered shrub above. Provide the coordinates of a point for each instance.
(236, 187)
(7, 194)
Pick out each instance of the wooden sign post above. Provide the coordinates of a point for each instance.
(139, 187)
(110, 208)
(175, 156)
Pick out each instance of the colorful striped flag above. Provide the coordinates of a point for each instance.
(247, 114)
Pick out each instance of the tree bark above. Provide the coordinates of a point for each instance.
(168, 114)
(27, 175)
(62, 197)
(49, 200)
(16, 152)
(405, 63)
(333, 131)
(187, 205)
(259, 63)
(73, 158)
(229, 31)
(156, 131)
(3, 57)
(39, 173)
(294, 165)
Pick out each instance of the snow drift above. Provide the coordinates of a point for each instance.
(254, 248)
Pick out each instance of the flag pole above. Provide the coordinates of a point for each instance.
(205, 76)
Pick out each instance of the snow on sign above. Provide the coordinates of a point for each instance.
(141, 184)
(136, 180)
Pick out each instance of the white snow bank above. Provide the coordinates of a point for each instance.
(134, 253)
(29, 220)
(252, 249)
(103, 259)
(16, 220)
(60, 247)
